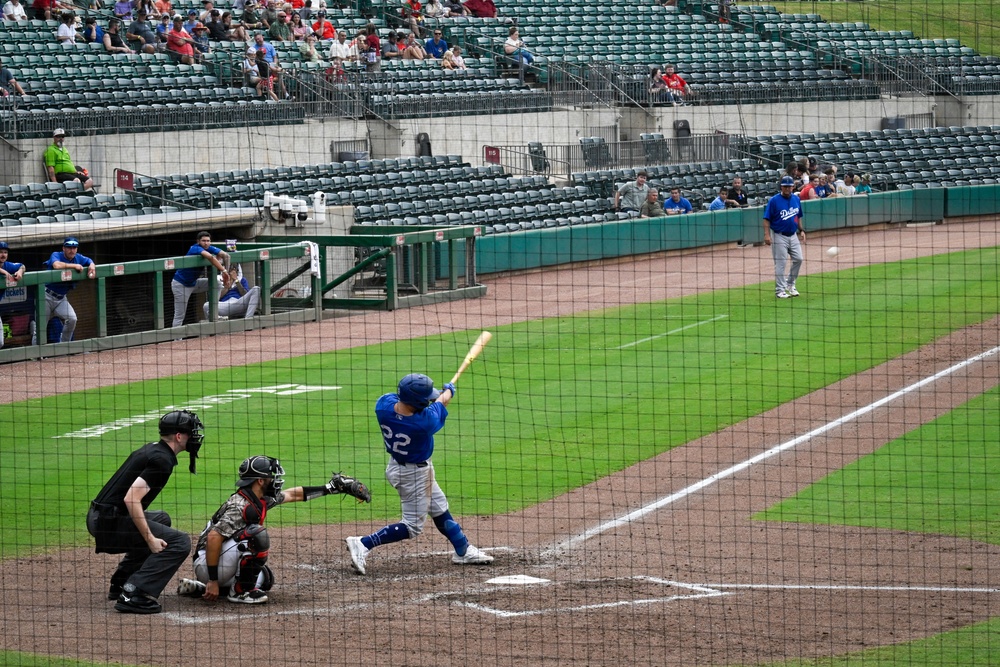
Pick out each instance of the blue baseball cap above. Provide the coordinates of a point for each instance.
(4, 246)
(789, 181)
(71, 242)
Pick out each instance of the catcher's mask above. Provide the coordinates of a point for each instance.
(417, 390)
(262, 467)
(184, 421)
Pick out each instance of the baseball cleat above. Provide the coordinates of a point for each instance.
(792, 291)
(254, 596)
(190, 588)
(358, 552)
(473, 556)
(782, 295)
(136, 602)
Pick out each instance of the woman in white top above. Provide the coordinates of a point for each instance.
(514, 48)
(67, 29)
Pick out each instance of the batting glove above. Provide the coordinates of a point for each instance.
(451, 386)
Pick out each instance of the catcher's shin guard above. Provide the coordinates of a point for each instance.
(250, 568)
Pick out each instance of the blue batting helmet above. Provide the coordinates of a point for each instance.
(417, 390)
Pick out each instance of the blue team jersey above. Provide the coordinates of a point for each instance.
(234, 293)
(783, 214)
(409, 439)
(189, 277)
(63, 289)
(11, 268)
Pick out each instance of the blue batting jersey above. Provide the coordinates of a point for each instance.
(189, 277)
(783, 213)
(11, 268)
(63, 289)
(409, 439)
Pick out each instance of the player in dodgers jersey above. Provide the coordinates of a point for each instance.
(408, 421)
(783, 216)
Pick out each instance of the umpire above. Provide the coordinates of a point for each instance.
(120, 523)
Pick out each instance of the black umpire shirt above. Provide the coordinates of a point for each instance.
(153, 462)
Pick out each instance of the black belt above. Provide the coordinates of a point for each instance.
(784, 234)
(422, 464)
(54, 293)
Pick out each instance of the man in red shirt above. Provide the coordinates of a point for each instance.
(678, 87)
(179, 43)
(322, 28)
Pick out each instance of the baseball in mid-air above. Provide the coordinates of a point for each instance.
(833, 251)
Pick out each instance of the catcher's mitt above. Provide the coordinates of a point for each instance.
(348, 485)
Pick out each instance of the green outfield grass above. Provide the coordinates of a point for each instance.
(976, 23)
(21, 659)
(551, 406)
(939, 478)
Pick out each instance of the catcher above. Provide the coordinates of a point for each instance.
(232, 550)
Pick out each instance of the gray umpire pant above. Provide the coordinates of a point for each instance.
(784, 248)
(148, 572)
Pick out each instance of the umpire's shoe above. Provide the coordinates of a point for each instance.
(134, 601)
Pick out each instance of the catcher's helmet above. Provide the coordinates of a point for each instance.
(184, 421)
(417, 390)
(261, 467)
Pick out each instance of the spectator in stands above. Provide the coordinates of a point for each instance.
(236, 33)
(307, 50)
(677, 205)
(484, 9)
(436, 45)
(145, 6)
(123, 10)
(8, 84)
(191, 22)
(719, 203)
(299, 29)
(92, 32)
(844, 187)
(265, 74)
(372, 49)
(657, 87)
(271, 57)
(56, 303)
(680, 91)
(413, 16)
(630, 196)
(724, 11)
(652, 208)
(453, 58)
(456, 8)
(188, 281)
(161, 30)
(268, 12)
(390, 48)
(280, 29)
(10, 274)
(306, 12)
(59, 166)
(14, 11)
(206, 11)
(42, 9)
(411, 48)
(113, 42)
(323, 28)
(737, 196)
(202, 45)
(250, 19)
(66, 34)
(241, 300)
(808, 190)
(435, 10)
(140, 35)
(180, 44)
(863, 184)
(217, 30)
(514, 48)
(821, 189)
(795, 170)
(164, 8)
(830, 179)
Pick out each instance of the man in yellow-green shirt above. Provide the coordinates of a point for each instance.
(59, 166)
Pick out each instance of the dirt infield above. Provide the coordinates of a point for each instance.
(691, 581)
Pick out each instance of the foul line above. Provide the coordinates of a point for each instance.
(689, 326)
(728, 472)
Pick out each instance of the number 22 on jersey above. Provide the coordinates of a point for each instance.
(395, 443)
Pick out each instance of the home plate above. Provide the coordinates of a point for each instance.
(517, 580)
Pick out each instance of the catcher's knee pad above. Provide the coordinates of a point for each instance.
(266, 579)
(256, 537)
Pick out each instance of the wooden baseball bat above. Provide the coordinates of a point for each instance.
(474, 351)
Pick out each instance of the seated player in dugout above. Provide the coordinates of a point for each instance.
(231, 556)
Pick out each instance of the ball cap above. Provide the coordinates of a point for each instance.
(251, 51)
(788, 181)
(58, 132)
(4, 246)
(71, 242)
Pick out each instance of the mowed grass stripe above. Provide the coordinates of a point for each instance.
(548, 408)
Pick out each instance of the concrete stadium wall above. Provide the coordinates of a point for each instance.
(157, 153)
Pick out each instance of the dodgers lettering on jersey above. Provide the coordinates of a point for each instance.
(11, 268)
(409, 439)
(783, 214)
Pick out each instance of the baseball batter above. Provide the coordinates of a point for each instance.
(231, 555)
(408, 420)
(783, 216)
(120, 521)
